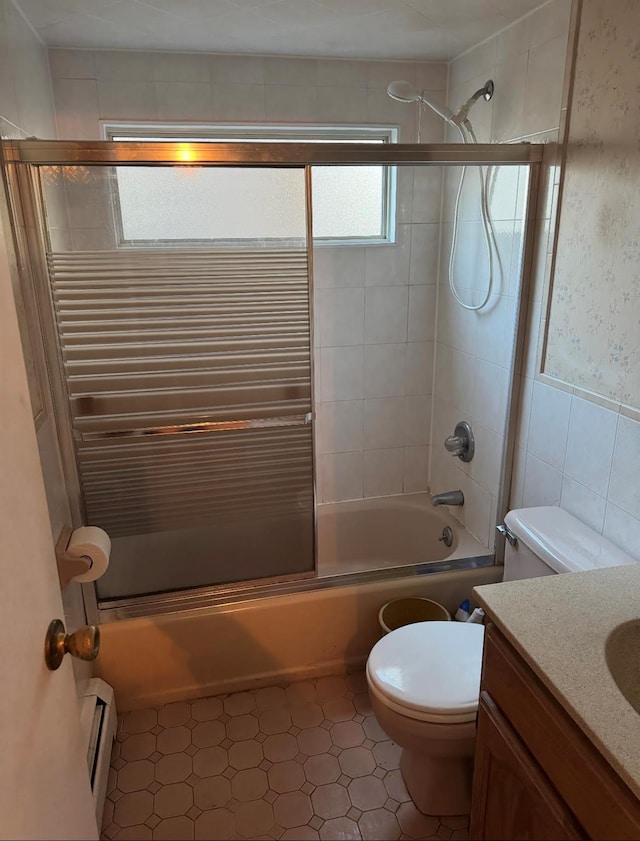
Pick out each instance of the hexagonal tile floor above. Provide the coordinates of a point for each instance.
(307, 760)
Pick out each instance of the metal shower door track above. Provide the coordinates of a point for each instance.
(144, 153)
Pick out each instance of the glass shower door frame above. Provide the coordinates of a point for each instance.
(23, 160)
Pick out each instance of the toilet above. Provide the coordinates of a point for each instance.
(424, 679)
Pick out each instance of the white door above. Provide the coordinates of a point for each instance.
(44, 783)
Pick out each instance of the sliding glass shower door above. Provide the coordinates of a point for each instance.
(181, 302)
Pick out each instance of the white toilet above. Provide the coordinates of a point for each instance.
(424, 679)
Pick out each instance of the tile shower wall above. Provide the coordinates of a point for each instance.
(374, 307)
(473, 349)
(572, 451)
(375, 323)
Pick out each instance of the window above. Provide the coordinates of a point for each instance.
(351, 204)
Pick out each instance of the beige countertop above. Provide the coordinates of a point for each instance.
(560, 624)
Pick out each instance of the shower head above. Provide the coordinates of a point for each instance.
(485, 92)
(405, 92)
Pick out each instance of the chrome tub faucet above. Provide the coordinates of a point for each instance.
(448, 498)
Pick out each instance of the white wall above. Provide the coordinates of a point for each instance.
(40, 723)
(474, 349)
(573, 450)
(527, 63)
(374, 307)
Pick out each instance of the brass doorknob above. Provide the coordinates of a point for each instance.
(83, 643)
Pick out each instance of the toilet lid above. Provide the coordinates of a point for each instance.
(429, 670)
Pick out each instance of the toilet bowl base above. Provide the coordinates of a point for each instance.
(438, 785)
(436, 761)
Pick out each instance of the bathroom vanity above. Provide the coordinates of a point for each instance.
(558, 743)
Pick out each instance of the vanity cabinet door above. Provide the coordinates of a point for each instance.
(512, 797)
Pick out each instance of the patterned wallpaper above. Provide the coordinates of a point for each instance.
(593, 334)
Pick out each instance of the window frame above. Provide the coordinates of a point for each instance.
(220, 132)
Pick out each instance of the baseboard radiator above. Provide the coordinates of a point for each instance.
(98, 720)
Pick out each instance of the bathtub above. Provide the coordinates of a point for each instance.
(388, 531)
(284, 636)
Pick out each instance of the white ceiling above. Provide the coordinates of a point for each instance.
(403, 29)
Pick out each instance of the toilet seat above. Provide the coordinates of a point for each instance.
(429, 671)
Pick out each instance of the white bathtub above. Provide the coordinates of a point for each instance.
(388, 531)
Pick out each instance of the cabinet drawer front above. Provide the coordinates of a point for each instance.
(586, 782)
(512, 797)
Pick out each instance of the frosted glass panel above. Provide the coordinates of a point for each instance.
(348, 201)
(200, 203)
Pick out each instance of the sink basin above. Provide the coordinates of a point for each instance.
(622, 652)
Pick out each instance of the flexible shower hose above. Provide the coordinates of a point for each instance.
(487, 225)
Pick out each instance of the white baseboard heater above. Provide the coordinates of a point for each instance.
(98, 720)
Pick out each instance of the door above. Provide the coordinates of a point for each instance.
(44, 784)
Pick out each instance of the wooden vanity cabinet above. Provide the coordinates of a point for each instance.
(513, 797)
(536, 774)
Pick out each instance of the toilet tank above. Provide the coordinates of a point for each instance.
(549, 540)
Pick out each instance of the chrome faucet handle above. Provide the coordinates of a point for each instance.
(462, 443)
(454, 444)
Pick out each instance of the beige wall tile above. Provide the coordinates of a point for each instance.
(77, 113)
(72, 64)
(135, 100)
(183, 101)
(242, 102)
